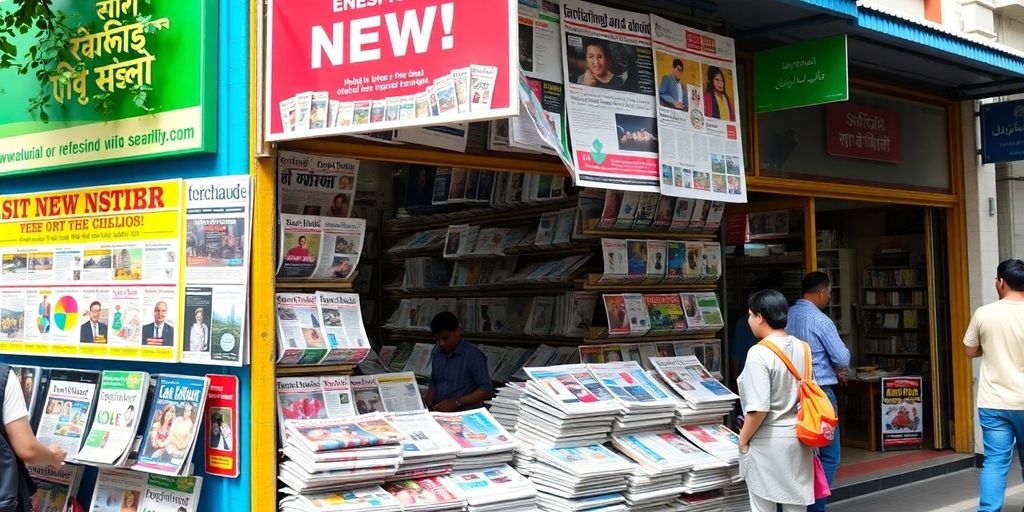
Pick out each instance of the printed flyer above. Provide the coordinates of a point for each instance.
(609, 72)
(356, 67)
(82, 269)
(222, 426)
(701, 150)
(902, 413)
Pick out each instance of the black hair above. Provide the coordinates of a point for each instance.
(605, 49)
(1012, 273)
(678, 63)
(772, 306)
(95, 303)
(444, 321)
(712, 71)
(815, 282)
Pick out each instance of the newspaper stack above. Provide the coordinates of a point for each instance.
(663, 458)
(523, 458)
(717, 440)
(737, 498)
(496, 489)
(506, 404)
(645, 404)
(563, 474)
(427, 449)
(338, 453)
(565, 406)
(707, 480)
(705, 399)
(425, 494)
(483, 442)
(363, 499)
(701, 502)
(611, 502)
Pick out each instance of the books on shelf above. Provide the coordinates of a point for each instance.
(120, 400)
(69, 405)
(172, 425)
(635, 314)
(708, 352)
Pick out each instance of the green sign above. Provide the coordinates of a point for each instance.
(799, 75)
(151, 65)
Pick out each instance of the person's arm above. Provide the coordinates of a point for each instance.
(836, 351)
(664, 93)
(751, 422)
(972, 339)
(428, 398)
(29, 449)
(755, 394)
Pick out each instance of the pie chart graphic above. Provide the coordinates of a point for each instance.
(65, 313)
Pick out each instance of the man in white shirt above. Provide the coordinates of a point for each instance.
(996, 335)
(94, 331)
(21, 439)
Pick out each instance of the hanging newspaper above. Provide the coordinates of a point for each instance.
(540, 64)
(342, 323)
(315, 184)
(300, 338)
(217, 252)
(610, 96)
(319, 247)
(701, 150)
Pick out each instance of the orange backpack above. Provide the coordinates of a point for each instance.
(815, 417)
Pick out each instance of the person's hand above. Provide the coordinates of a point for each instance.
(447, 406)
(744, 448)
(59, 454)
(678, 104)
(589, 78)
(841, 375)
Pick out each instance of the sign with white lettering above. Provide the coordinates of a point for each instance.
(349, 66)
(1002, 132)
(867, 133)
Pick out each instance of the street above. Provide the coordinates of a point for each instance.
(955, 492)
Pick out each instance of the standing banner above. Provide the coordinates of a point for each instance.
(338, 67)
(800, 75)
(140, 81)
(222, 426)
(902, 417)
(1002, 132)
(701, 149)
(82, 268)
(613, 125)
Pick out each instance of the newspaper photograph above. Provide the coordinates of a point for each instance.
(609, 72)
(311, 184)
(701, 147)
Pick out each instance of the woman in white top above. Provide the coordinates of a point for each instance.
(777, 467)
(23, 441)
(198, 334)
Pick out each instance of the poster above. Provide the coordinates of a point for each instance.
(701, 148)
(166, 47)
(222, 426)
(217, 251)
(609, 76)
(338, 67)
(82, 268)
(902, 413)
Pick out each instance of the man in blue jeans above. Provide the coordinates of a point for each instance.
(996, 335)
(828, 353)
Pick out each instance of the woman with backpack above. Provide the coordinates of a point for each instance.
(777, 466)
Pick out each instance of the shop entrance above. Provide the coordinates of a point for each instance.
(889, 300)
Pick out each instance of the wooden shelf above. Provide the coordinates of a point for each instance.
(600, 335)
(751, 261)
(488, 338)
(484, 216)
(331, 369)
(893, 308)
(488, 290)
(310, 284)
(592, 284)
(592, 230)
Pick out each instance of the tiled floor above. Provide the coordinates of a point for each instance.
(955, 492)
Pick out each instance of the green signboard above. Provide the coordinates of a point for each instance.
(799, 75)
(137, 80)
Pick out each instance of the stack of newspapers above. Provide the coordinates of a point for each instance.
(565, 406)
(427, 449)
(701, 502)
(737, 498)
(364, 499)
(426, 494)
(704, 398)
(564, 476)
(482, 441)
(721, 443)
(339, 453)
(646, 404)
(663, 457)
(506, 404)
(496, 489)
(523, 458)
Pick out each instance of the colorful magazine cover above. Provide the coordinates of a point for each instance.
(173, 424)
(171, 494)
(425, 492)
(54, 487)
(112, 432)
(343, 433)
(69, 404)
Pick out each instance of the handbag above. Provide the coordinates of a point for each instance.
(821, 489)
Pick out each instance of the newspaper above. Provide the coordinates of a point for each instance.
(424, 437)
(68, 409)
(492, 485)
(342, 324)
(631, 384)
(299, 245)
(300, 338)
(540, 54)
(572, 388)
(300, 398)
(118, 408)
(476, 431)
(426, 492)
(583, 460)
(363, 499)
(717, 440)
(653, 451)
(610, 96)
(691, 379)
(343, 433)
(172, 427)
(55, 487)
(171, 494)
(337, 394)
(701, 150)
(399, 392)
(341, 243)
(315, 184)
(118, 489)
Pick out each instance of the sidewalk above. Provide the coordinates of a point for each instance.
(955, 492)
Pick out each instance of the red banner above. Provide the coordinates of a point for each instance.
(867, 133)
(347, 66)
(222, 426)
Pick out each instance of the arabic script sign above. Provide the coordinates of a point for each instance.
(867, 133)
(799, 75)
(1002, 132)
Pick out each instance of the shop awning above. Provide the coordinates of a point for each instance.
(881, 41)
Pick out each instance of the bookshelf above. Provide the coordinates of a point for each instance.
(838, 264)
(894, 316)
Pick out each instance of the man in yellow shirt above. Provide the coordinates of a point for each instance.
(996, 335)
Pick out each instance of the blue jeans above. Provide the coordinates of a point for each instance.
(999, 429)
(829, 455)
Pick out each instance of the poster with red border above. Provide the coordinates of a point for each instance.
(222, 440)
(902, 412)
(351, 66)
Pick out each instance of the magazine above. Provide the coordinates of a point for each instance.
(613, 250)
(55, 487)
(691, 379)
(299, 245)
(300, 337)
(342, 433)
(69, 403)
(316, 184)
(117, 490)
(171, 494)
(717, 440)
(342, 325)
(363, 499)
(426, 493)
(172, 427)
(121, 398)
(666, 313)
(30, 382)
(476, 431)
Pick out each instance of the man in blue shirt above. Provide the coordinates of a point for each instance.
(672, 91)
(458, 375)
(828, 352)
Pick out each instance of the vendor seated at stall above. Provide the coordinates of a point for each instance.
(459, 379)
